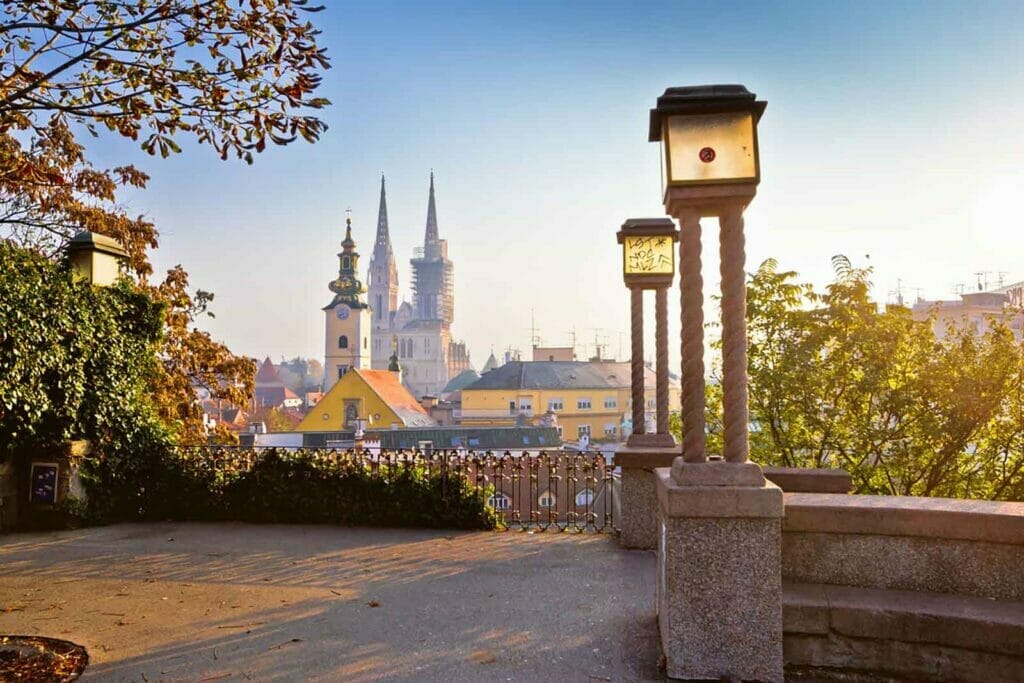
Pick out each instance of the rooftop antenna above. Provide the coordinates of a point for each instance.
(597, 342)
(1001, 275)
(898, 292)
(535, 339)
(572, 335)
(982, 276)
(959, 288)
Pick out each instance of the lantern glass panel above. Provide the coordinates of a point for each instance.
(709, 148)
(648, 255)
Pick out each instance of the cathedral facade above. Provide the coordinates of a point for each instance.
(418, 332)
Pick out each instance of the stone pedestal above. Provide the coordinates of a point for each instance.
(719, 571)
(638, 498)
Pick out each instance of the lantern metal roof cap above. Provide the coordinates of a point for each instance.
(703, 99)
(91, 241)
(648, 226)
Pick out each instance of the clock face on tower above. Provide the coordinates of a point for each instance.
(342, 312)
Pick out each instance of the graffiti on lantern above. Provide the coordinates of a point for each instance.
(650, 255)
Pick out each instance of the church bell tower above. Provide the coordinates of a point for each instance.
(348, 317)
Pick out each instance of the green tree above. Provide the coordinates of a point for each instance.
(835, 381)
(234, 76)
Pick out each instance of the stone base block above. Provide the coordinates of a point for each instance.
(717, 473)
(650, 441)
(720, 580)
(638, 499)
(638, 521)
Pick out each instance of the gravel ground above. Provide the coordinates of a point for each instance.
(236, 602)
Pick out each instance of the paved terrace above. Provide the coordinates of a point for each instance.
(234, 602)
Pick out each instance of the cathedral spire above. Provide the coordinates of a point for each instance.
(382, 247)
(431, 236)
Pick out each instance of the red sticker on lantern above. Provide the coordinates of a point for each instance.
(707, 155)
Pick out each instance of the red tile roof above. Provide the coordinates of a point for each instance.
(391, 391)
(267, 373)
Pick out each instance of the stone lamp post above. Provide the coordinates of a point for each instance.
(719, 519)
(648, 262)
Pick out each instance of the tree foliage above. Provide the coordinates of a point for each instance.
(835, 381)
(75, 361)
(232, 75)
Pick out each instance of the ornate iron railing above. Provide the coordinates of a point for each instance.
(530, 491)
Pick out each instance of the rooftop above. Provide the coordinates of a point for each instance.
(545, 375)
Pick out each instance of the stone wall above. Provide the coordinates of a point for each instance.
(918, 588)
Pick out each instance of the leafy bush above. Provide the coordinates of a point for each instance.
(74, 359)
(311, 487)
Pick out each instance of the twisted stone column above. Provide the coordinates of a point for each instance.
(691, 299)
(636, 299)
(661, 352)
(734, 335)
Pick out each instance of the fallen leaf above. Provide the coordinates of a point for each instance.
(483, 657)
(373, 603)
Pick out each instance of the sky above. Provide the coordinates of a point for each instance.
(892, 135)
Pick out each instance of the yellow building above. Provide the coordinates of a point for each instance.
(590, 398)
(375, 396)
(585, 398)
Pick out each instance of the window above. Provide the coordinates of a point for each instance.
(511, 407)
(351, 414)
(556, 404)
(585, 498)
(342, 369)
(342, 342)
(499, 501)
(559, 430)
(345, 263)
(650, 403)
(583, 404)
(474, 442)
(583, 430)
(525, 405)
(611, 429)
(366, 342)
(547, 500)
(611, 402)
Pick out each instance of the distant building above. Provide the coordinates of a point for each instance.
(587, 399)
(419, 331)
(590, 400)
(459, 382)
(374, 397)
(566, 353)
(975, 310)
(491, 364)
(270, 391)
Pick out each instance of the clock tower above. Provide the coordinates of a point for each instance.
(348, 317)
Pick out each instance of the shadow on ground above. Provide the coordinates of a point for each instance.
(226, 602)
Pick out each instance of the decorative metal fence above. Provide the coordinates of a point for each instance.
(529, 491)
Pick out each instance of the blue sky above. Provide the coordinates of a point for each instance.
(893, 130)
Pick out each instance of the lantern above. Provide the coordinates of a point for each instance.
(708, 135)
(648, 252)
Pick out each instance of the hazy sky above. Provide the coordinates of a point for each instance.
(893, 130)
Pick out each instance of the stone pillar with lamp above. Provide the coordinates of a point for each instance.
(719, 588)
(648, 262)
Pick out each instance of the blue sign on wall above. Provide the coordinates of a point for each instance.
(44, 483)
